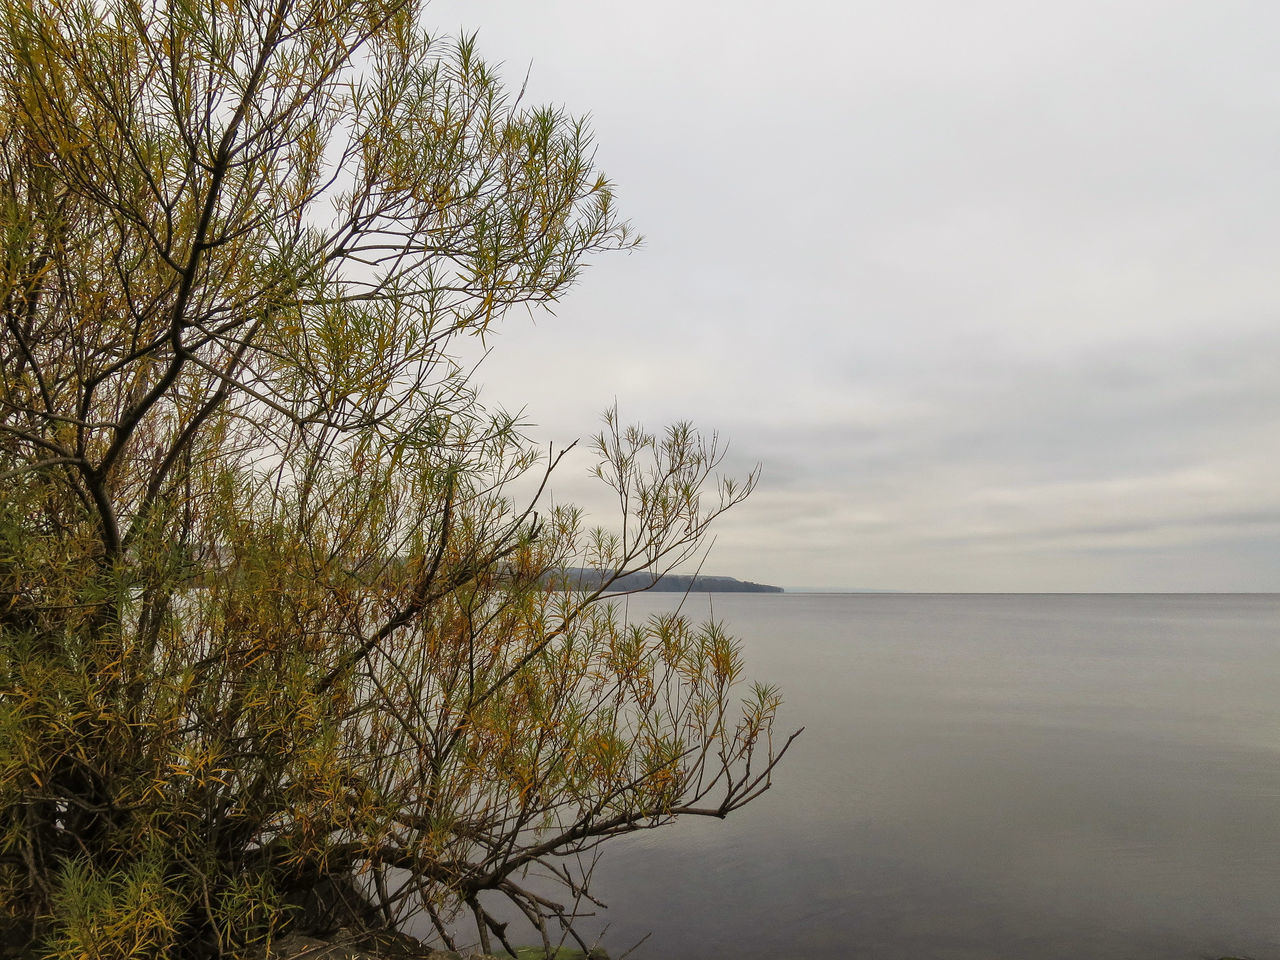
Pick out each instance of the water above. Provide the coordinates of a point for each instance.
(1036, 777)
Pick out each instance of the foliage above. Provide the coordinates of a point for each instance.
(272, 618)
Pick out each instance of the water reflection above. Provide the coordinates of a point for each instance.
(1032, 777)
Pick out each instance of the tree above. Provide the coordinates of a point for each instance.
(273, 620)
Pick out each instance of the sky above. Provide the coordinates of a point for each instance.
(990, 290)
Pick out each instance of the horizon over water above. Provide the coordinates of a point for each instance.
(982, 776)
(859, 592)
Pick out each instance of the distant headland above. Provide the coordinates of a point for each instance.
(582, 578)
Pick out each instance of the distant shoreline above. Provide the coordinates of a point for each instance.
(584, 579)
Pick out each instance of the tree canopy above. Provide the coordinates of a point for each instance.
(273, 621)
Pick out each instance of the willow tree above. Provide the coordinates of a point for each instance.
(272, 619)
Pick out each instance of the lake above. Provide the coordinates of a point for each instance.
(985, 776)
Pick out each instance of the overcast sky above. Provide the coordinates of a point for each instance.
(990, 289)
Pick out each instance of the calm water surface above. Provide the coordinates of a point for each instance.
(1029, 777)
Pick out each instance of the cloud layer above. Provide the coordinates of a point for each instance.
(988, 288)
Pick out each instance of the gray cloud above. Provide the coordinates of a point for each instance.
(987, 287)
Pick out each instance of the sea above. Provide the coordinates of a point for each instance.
(1022, 777)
